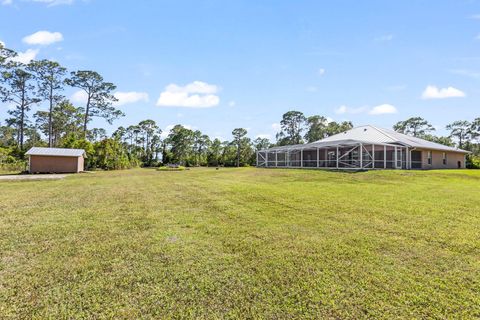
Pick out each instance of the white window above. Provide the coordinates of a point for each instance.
(429, 157)
(444, 158)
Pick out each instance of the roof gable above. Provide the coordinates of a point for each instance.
(363, 133)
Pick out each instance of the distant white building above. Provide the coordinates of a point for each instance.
(364, 147)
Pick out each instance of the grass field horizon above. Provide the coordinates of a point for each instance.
(242, 243)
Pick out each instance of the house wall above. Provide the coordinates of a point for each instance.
(437, 160)
(49, 164)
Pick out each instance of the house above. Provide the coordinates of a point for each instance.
(365, 147)
(56, 160)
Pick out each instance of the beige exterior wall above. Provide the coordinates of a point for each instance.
(437, 160)
(49, 164)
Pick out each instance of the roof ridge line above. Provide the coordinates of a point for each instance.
(383, 132)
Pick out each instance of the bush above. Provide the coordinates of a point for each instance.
(10, 160)
(473, 162)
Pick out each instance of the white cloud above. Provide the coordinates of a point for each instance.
(321, 72)
(43, 38)
(130, 97)
(7, 2)
(433, 92)
(383, 109)
(25, 57)
(197, 94)
(232, 104)
(311, 89)
(475, 17)
(344, 110)
(377, 110)
(79, 96)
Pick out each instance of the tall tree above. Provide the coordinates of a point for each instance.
(215, 152)
(317, 128)
(200, 145)
(17, 88)
(336, 128)
(461, 130)
(156, 143)
(7, 136)
(261, 143)
(238, 135)
(96, 134)
(416, 126)
(99, 96)
(180, 140)
(50, 77)
(5, 56)
(292, 126)
(446, 141)
(65, 119)
(475, 128)
(148, 128)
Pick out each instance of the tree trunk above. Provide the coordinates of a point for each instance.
(85, 121)
(50, 126)
(22, 117)
(238, 157)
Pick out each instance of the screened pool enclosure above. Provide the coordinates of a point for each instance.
(362, 148)
(339, 155)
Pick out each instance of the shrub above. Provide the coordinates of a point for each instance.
(10, 162)
(473, 162)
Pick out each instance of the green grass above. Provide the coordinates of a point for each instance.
(242, 243)
(179, 168)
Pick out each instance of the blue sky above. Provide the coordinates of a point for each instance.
(216, 65)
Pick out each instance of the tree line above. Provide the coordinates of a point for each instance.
(64, 124)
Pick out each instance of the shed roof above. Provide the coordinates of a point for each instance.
(56, 152)
(369, 134)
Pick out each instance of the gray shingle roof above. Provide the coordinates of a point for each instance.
(56, 152)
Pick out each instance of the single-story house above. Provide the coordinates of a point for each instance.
(364, 147)
(56, 160)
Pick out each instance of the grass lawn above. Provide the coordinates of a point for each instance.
(242, 243)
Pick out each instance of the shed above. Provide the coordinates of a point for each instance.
(56, 160)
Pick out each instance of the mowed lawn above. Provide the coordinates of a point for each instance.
(242, 243)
